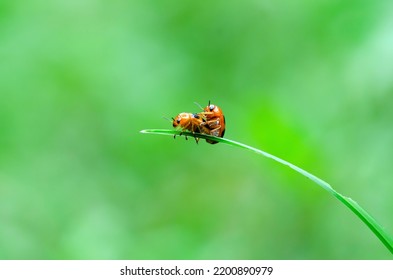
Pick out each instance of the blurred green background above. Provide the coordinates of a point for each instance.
(308, 81)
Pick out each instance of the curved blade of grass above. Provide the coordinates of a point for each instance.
(375, 227)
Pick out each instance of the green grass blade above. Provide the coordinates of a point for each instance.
(375, 227)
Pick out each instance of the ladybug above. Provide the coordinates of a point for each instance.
(191, 122)
(214, 120)
(211, 122)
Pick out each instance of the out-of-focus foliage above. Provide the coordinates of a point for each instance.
(308, 81)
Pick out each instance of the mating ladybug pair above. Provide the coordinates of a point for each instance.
(211, 122)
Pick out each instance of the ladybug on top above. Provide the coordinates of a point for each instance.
(211, 122)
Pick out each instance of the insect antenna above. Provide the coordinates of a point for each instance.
(198, 105)
(169, 120)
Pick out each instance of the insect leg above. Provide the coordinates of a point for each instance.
(216, 131)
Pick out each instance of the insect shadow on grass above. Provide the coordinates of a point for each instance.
(362, 214)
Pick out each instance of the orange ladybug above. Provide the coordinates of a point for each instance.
(214, 120)
(191, 122)
(211, 122)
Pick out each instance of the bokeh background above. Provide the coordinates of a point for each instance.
(308, 81)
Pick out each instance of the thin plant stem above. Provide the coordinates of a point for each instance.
(371, 223)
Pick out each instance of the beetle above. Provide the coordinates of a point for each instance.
(214, 120)
(192, 122)
(211, 122)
